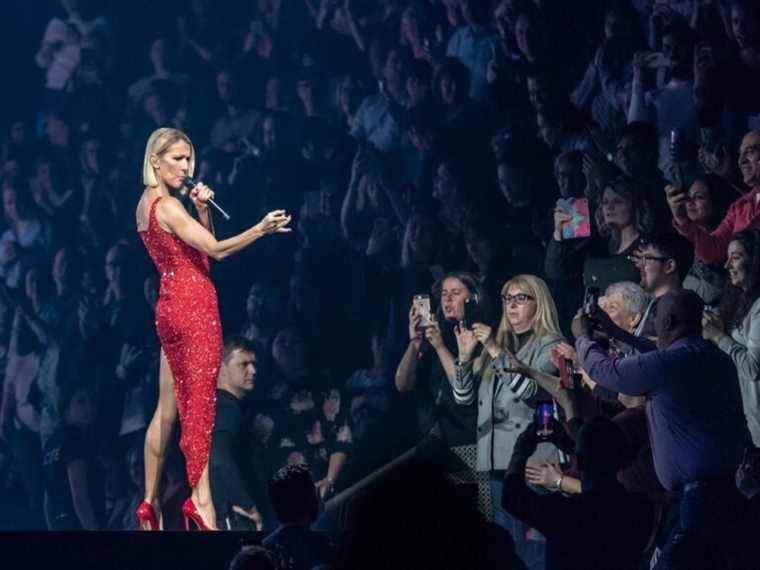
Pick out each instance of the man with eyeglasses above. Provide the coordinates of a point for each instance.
(663, 261)
(711, 247)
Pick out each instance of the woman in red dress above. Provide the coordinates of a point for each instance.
(187, 318)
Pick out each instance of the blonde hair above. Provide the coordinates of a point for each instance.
(545, 321)
(158, 143)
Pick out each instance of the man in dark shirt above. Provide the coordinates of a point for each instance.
(664, 261)
(236, 488)
(694, 408)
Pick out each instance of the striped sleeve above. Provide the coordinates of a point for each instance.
(464, 385)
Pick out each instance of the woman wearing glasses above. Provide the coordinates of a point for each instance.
(528, 330)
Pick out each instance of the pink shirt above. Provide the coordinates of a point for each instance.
(713, 247)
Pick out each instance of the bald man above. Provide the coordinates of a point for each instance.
(694, 408)
(711, 247)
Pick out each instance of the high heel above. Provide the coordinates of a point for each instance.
(190, 512)
(146, 517)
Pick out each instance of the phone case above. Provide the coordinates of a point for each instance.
(580, 224)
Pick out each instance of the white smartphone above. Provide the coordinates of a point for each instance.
(422, 304)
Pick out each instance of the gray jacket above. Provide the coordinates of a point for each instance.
(503, 411)
(744, 349)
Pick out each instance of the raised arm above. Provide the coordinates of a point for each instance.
(406, 373)
(172, 215)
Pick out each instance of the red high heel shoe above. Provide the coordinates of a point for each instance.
(191, 513)
(146, 517)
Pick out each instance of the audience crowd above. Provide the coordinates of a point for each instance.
(573, 187)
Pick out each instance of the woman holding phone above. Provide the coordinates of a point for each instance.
(528, 330)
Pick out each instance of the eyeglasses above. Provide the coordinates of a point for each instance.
(645, 258)
(520, 298)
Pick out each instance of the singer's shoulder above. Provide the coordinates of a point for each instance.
(170, 207)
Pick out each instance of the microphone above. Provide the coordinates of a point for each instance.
(191, 183)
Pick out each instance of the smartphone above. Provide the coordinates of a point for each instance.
(566, 373)
(590, 299)
(422, 304)
(580, 224)
(471, 313)
(543, 420)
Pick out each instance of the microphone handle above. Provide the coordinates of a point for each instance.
(219, 209)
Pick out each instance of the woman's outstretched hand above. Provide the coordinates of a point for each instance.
(276, 222)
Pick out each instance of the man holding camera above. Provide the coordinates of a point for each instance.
(696, 423)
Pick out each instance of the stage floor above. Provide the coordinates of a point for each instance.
(122, 550)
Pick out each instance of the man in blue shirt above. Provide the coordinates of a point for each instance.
(474, 44)
(694, 408)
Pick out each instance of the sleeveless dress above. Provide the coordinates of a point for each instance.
(190, 332)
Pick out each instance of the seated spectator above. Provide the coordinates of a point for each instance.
(296, 504)
(603, 526)
(349, 95)
(461, 117)
(379, 118)
(473, 44)
(163, 60)
(524, 178)
(26, 238)
(122, 513)
(664, 262)
(493, 263)
(308, 414)
(561, 125)
(368, 199)
(626, 303)
(419, 83)
(706, 205)
(603, 89)
(236, 489)
(670, 108)
(568, 172)
(621, 221)
(455, 197)
(636, 157)
(20, 410)
(236, 122)
(49, 191)
(73, 478)
(735, 329)
(417, 29)
(528, 329)
(744, 213)
(262, 307)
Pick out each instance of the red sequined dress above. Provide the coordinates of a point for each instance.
(188, 325)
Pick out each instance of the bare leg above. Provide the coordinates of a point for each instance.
(159, 432)
(201, 496)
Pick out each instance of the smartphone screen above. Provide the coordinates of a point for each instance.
(543, 420)
(422, 304)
